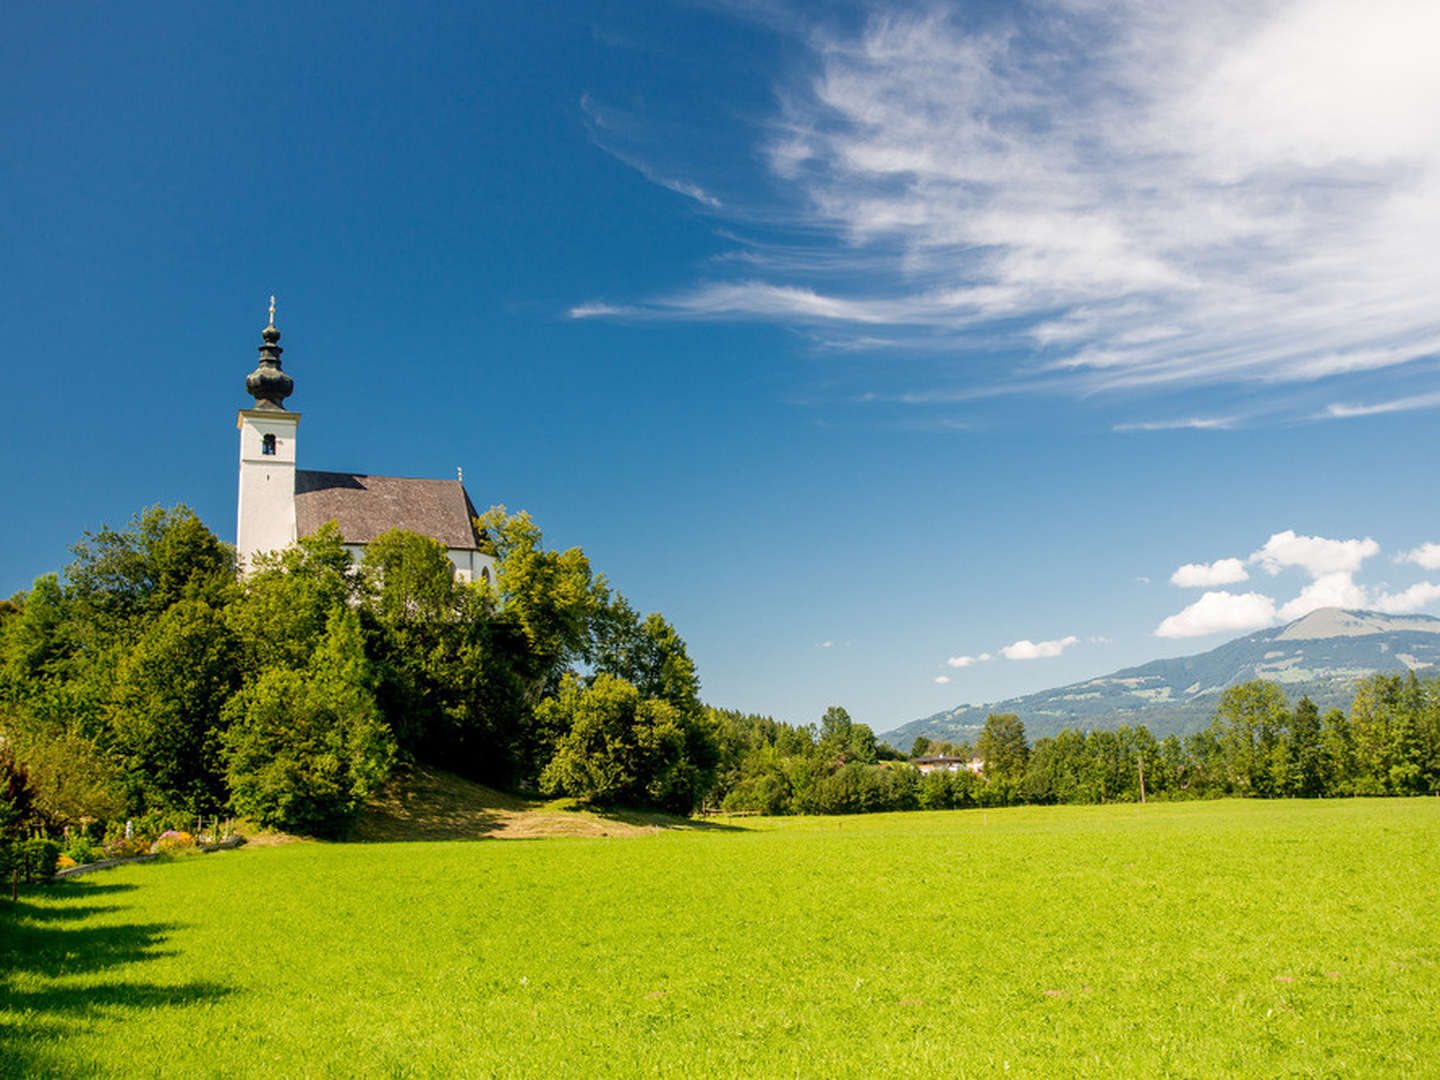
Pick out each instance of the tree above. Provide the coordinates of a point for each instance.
(287, 599)
(647, 653)
(842, 738)
(305, 749)
(920, 747)
(549, 595)
(1003, 747)
(613, 746)
(1249, 722)
(170, 697)
(162, 556)
(1304, 757)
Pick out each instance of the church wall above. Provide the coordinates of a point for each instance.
(265, 517)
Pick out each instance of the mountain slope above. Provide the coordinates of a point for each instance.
(1322, 654)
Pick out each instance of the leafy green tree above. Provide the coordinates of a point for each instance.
(1304, 757)
(842, 738)
(163, 556)
(1249, 722)
(647, 653)
(920, 747)
(36, 642)
(613, 746)
(170, 697)
(550, 595)
(287, 599)
(1003, 747)
(305, 749)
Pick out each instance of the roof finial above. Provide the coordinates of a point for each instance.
(459, 474)
(270, 385)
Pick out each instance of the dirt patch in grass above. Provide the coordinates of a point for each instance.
(421, 803)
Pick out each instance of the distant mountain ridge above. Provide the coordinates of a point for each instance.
(1322, 654)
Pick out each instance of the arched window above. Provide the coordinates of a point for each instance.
(267, 445)
(485, 573)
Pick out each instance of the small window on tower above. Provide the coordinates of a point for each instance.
(267, 444)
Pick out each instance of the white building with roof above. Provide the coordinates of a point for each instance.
(280, 503)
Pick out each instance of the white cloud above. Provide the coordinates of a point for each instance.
(1335, 589)
(1219, 611)
(1037, 650)
(1137, 194)
(827, 644)
(1426, 555)
(942, 679)
(590, 311)
(1344, 411)
(1204, 575)
(1196, 423)
(1315, 555)
(1416, 597)
(967, 661)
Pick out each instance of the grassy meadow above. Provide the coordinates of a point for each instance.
(1197, 939)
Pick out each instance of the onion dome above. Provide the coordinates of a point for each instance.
(269, 385)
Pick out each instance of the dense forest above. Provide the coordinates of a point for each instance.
(148, 680)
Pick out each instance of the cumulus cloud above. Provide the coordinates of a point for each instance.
(1219, 611)
(967, 661)
(1037, 650)
(1426, 555)
(1336, 589)
(1135, 194)
(1316, 555)
(1416, 597)
(942, 679)
(1204, 575)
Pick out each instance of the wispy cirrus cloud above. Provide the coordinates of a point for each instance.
(1129, 196)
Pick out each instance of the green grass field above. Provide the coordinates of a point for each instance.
(1201, 939)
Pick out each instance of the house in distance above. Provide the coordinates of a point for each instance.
(279, 503)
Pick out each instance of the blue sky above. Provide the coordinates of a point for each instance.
(903, 356)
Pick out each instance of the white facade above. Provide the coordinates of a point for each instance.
(469, 565)
(265, 517)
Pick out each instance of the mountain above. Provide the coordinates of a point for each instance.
(1322, 654)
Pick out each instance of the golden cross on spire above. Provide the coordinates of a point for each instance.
(272, 309)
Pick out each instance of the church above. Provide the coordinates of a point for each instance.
(279, 503)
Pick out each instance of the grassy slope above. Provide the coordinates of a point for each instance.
(421, 803)
(1249, 939)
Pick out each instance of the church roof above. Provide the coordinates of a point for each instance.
(366, 506)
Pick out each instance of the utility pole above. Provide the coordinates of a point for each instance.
(1140, 764)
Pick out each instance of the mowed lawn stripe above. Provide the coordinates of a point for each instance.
(1243, 938)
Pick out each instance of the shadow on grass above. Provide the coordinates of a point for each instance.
(654, 819)
(48, 958)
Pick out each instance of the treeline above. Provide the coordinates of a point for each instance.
(148, 679)
(1257, 745)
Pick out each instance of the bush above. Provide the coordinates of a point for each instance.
(35, 859)
(80, 850)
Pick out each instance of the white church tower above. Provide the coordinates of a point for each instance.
(265, 519)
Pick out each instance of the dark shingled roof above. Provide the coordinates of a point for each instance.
(366, 506)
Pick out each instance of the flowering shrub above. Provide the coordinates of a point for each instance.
(65, 862)
(120, 847)
(171, 841)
